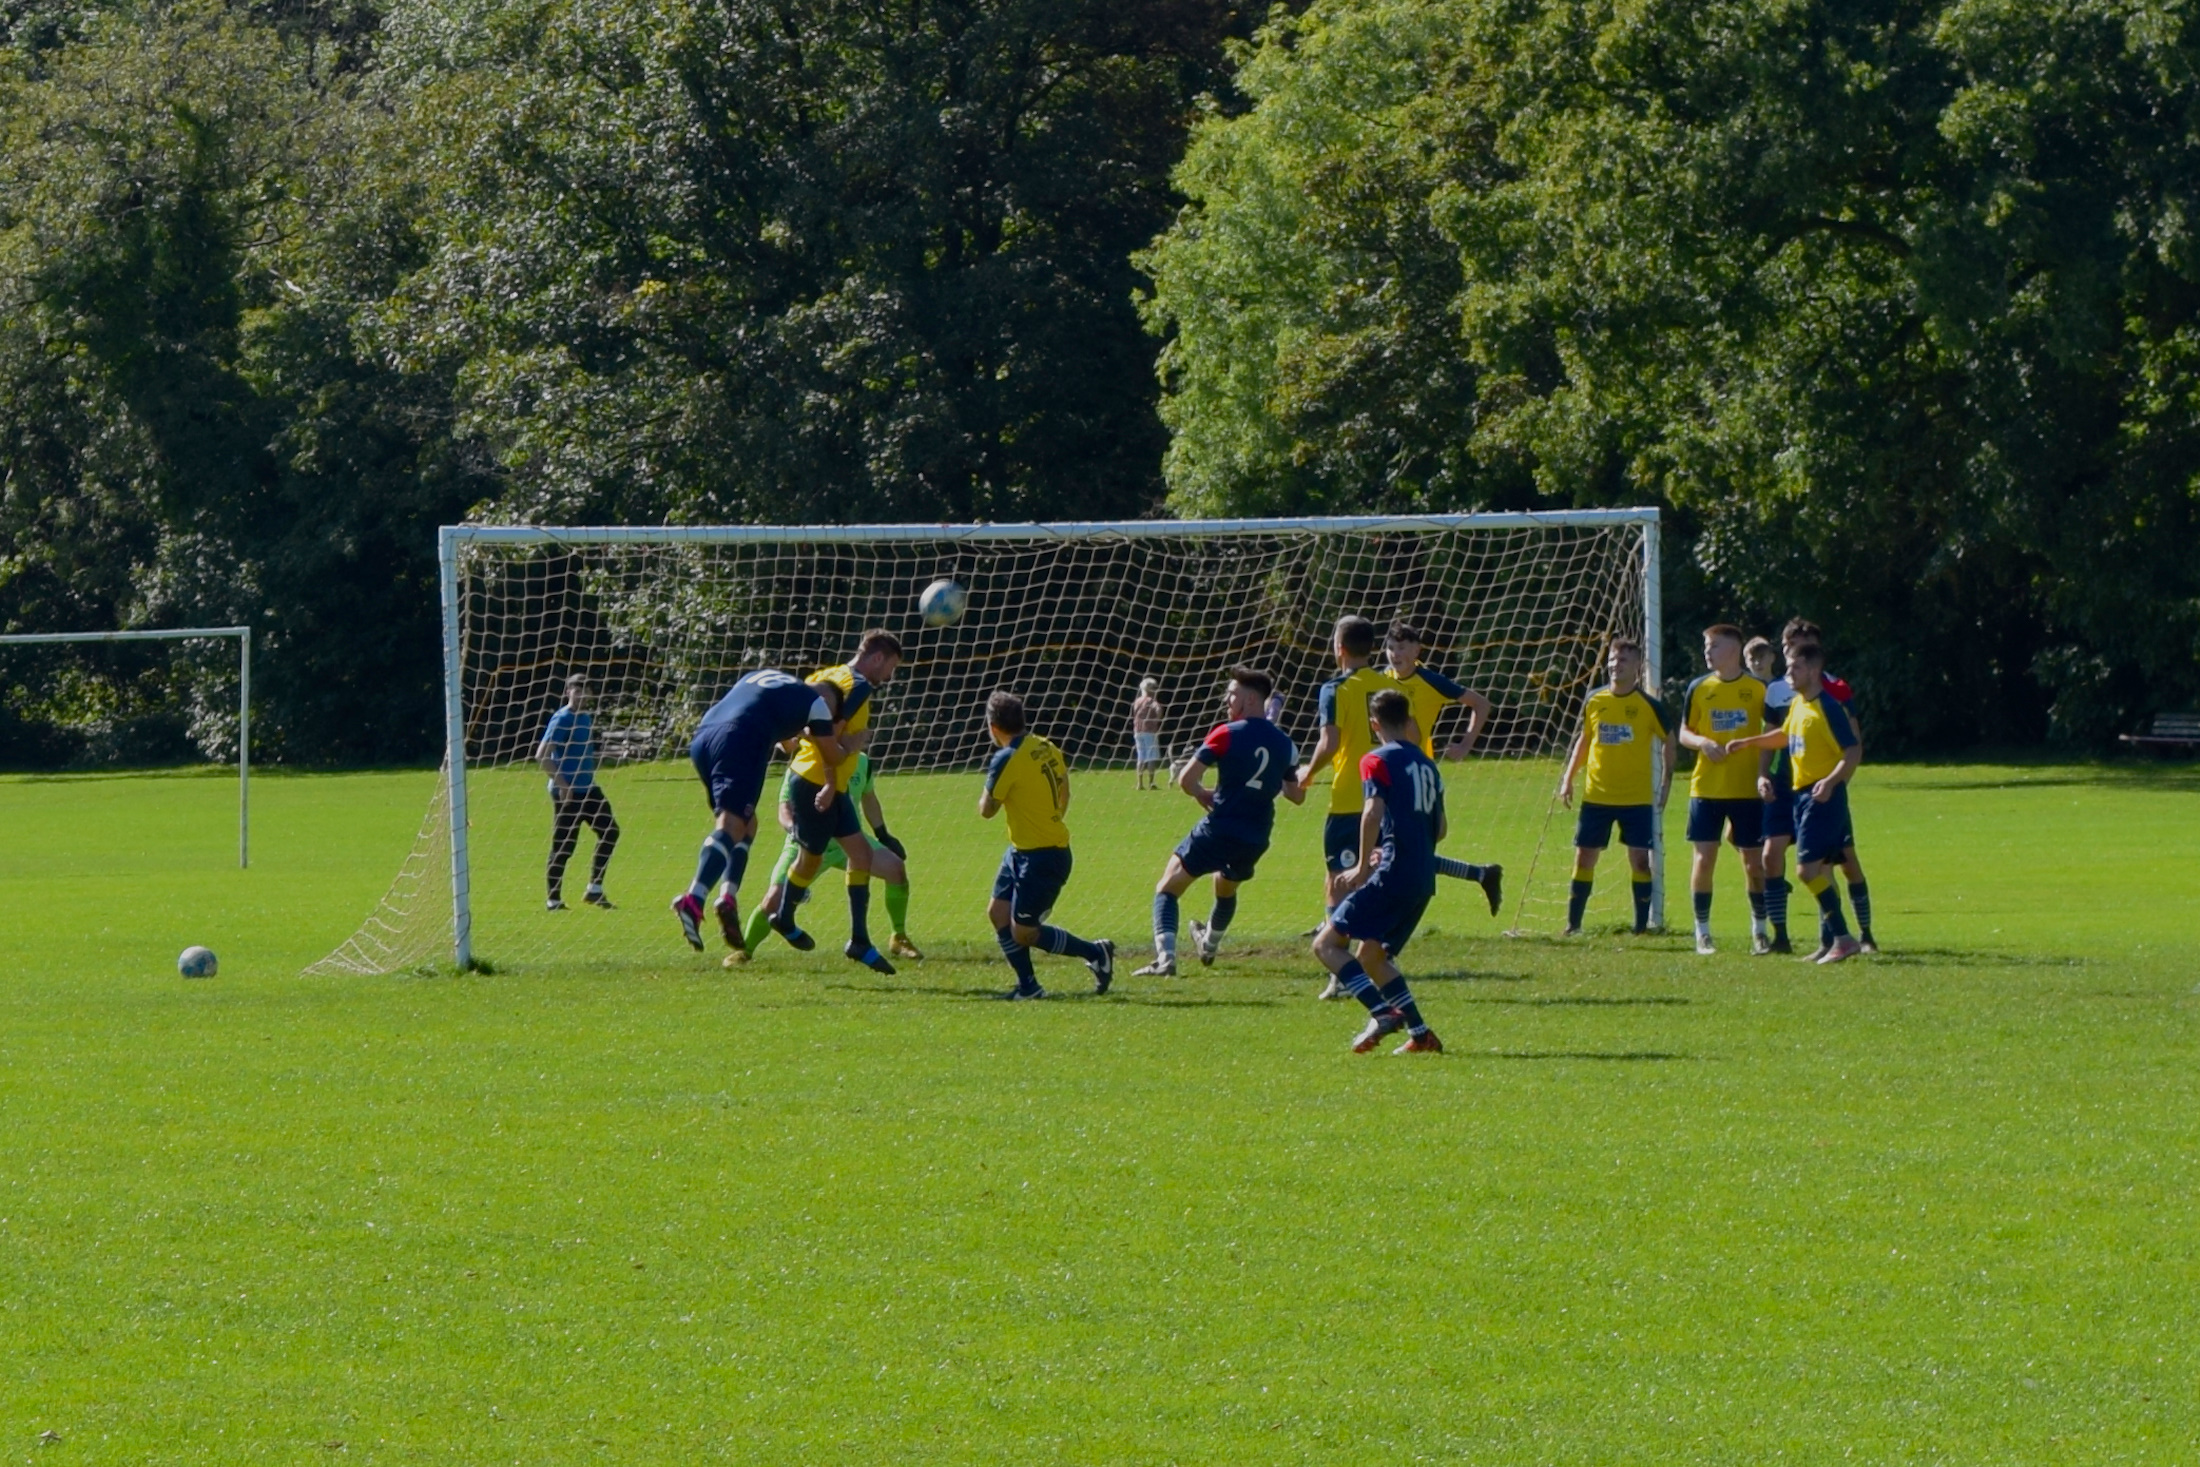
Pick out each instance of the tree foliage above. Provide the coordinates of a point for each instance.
(1892, 303)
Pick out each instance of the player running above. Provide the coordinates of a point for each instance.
(1345, 739)
(1382, 895)
(1824, 751)
(889, 863)
(567, 754)
(732, 750)
(1253, 763)
(824, 811)
(1027, 778)
(1725, 703)
(1621, 726)
(1431, 695)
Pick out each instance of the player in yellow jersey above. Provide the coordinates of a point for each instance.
(1725, 703)
(1621, 726)
(823, 811)
(1823, 749)
(1345, 739)
(1027, 778)
(1431, 695)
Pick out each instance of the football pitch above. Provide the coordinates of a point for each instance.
(1942, 1205)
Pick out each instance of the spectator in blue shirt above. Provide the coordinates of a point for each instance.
(567, 755)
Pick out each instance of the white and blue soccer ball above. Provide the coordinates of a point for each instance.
(197, 962)
(942, 602)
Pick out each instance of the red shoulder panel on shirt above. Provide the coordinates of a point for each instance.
(1839, 688)
(1373, 767)
(1218, 739)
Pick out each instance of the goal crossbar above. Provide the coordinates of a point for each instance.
(244, 697)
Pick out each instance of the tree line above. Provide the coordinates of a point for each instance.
(1892, 305)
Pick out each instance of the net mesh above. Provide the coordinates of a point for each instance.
(1072, 622)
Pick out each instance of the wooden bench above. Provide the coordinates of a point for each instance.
(2180, 731)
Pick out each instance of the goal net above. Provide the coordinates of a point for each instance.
(1072, 617)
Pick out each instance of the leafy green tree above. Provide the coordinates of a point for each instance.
(799, 261)
(1889, 301)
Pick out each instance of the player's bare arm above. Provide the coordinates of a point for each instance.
(1325, 749)
(1478, 718)
(1574, 758)
(1191, 779)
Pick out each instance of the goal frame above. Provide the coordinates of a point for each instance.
(451, 540)
(244, 698)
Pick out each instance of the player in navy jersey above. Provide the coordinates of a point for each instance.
(1382, 895)
(1253, 762)
(765, 710)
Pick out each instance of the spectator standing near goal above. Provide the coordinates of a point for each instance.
(1621, 725)
(1725, 703)
(1027, 778)
(567, 755)
(1431, 695)
(1253, 762)
(1146, 733)
(1382, 895)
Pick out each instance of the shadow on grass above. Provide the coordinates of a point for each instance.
(1467, 975)
(1585, 1001)
(1629, 1056)
(1955, 957)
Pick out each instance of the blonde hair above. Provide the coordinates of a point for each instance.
(1149, 685)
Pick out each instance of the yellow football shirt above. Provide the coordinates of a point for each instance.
(1031, 783)
(1344, 703)
(1818, 730)
(1622, 729)
(1724, 710)
(1430, 694)
(853, 716)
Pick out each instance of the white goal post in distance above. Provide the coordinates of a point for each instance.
(1071, 616)
(244, 698)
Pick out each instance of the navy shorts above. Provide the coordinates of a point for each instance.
(1821, 831)
(1780, 810)
(732, 761)
(814, 832)
(1030, 881)
(1708, 819)
(1341, 841)
(1381, 913)
(1637, 825)
(1208, 850)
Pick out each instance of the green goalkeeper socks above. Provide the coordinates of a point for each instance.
(897, 906)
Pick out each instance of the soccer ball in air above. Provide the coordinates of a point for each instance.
(197, 962)
(941, 602)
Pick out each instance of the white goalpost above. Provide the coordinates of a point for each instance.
(1071, 616)
(244, 698)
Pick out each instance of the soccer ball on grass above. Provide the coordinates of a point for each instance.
(197, 962)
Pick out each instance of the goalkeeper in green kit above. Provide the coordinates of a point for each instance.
(889, 862)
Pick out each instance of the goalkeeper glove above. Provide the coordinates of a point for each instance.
(889, 842)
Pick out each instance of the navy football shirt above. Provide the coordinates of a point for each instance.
(778, 703)
(1412, 793)
(1252, 759)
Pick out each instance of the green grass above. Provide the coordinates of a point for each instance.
(1936, 1207)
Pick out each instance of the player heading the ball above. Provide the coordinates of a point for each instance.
(825, 812)
(1253, 763)
(1027, 778)
(732, 751)
(1382, 895)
